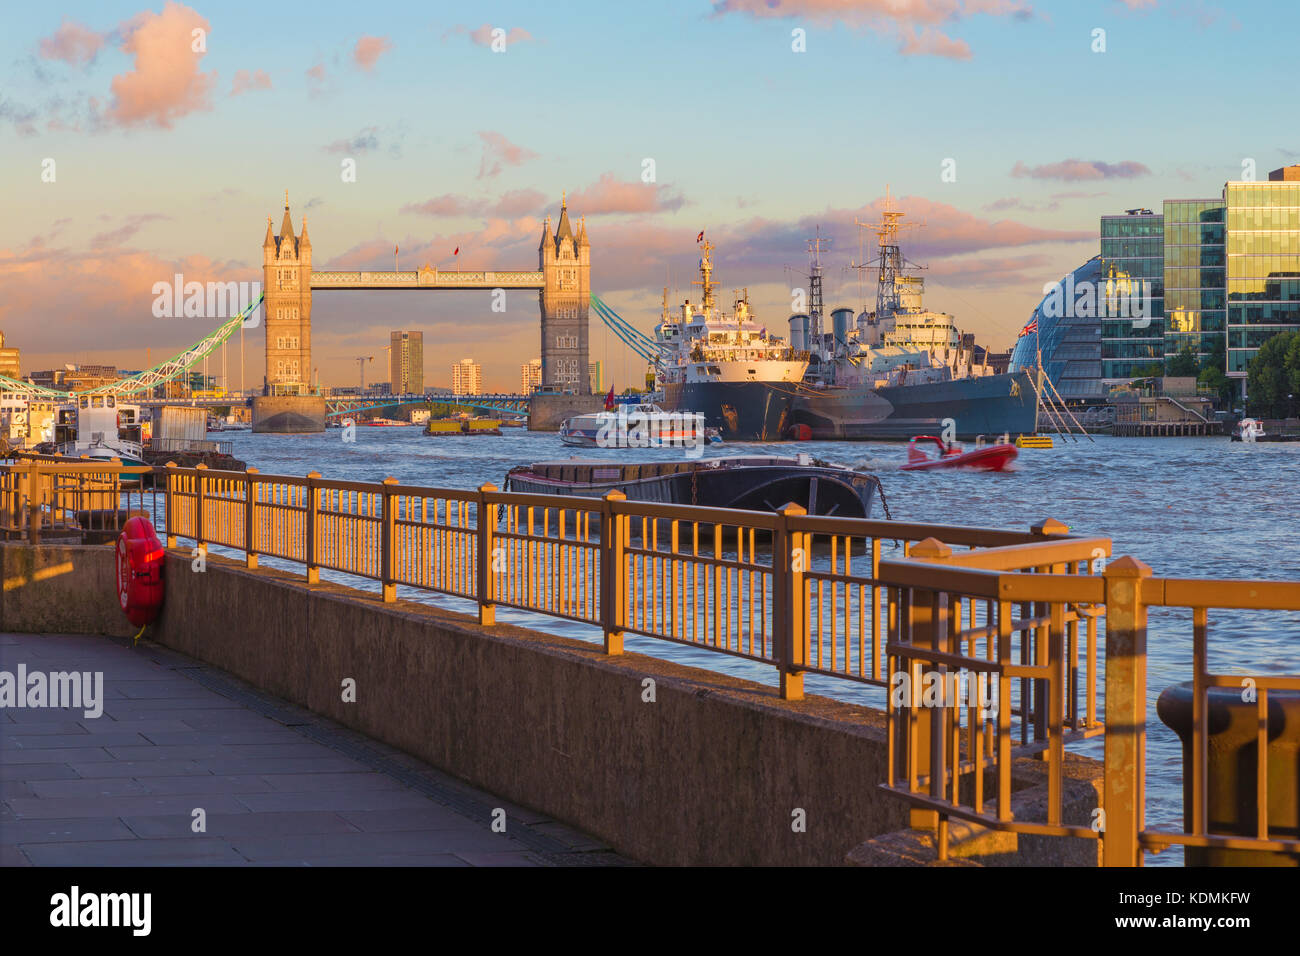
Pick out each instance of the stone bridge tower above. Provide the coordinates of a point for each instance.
(565, 262)
(286, 284)
(287, 404)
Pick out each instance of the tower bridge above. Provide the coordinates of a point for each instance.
(562, 280)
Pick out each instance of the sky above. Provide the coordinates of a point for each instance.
(133, 148)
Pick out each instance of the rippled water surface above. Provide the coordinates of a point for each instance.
(1188, 507)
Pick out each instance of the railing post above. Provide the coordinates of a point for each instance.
(924, 730)
(169, 515)
(387, 540)
(1124, 760)
(485, 563)
(201, 469)
(250, 519)
(613, 570)
(309, 555)
(790, 558)
(34, 504)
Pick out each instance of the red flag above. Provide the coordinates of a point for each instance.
(394, 250)
(700, 237)
(1029, 329)
(609, 400)
(457, 252)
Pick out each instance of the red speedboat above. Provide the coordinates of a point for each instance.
(984, 458)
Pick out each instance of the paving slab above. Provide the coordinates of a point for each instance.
(276, 784)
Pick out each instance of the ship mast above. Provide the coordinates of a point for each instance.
(706, 277)
(815, 290)
(889, 264)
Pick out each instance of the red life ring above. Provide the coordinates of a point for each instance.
(139, 571)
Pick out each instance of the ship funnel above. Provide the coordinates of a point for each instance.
(840, 321)
(799, 332)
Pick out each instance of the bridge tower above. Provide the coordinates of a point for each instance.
(286, 283)
(287, 403)
(565, 262)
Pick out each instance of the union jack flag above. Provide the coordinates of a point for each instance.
(1029, 329)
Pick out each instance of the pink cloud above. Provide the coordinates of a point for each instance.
(446, 205)
(499, 152)
(482, 36)
(932, 42)
(368, 51)
(245, 81)
(72, 43)
(913, 22)
(165, 84)
(317, 72)
(1075, 170)
(609, 195)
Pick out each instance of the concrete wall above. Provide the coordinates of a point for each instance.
(61, 589)
(711, 772)
(288, 414)
(546, 412)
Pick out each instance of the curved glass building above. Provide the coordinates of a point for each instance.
(1070, 342)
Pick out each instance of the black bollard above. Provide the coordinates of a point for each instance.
(1231, 770)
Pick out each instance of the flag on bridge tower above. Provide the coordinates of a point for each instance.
(395, 269)
(700, 237)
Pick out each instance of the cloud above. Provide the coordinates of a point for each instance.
(368, 51)
(22, 117)
(499, 152)
(932, 42)
(1074, 170)
(165, 84)
(914, 23)
(512, 205)
(364, 141)
(609, 195)
(245, 81)
(482, 36)
(72, 43)
(132, 225)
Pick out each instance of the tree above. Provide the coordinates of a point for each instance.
(1273, 377)
(1182, 365)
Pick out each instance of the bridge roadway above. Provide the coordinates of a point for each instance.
(278, 784)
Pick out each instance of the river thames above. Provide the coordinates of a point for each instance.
(1188, 507)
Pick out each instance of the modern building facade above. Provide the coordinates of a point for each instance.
(596, 372)
(406, 362)
(530, 376)
(467, 378)
(1132, 248)
(1224, 274)
(1067, 337)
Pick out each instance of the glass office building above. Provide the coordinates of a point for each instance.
(1132, 248)
(1225, 274)
(1263, 263)
(1068, 339)
(1194, 296)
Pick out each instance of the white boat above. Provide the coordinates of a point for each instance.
(637, 426)
(105, 429)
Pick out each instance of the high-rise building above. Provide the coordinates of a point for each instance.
(467, 378)
(595, 371)
(1224, 275)
(9, 360)
(406, 363)
(530, 376)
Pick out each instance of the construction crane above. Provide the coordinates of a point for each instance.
(361, 361)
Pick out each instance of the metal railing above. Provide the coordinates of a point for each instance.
(1039, 616)
(736, 582)
(57, 497)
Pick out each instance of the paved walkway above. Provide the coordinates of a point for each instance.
(278, 785)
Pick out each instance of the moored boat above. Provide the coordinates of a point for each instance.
(748, 483)
(636, 426)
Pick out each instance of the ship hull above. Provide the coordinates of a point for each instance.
(984, 405)
(741, 411)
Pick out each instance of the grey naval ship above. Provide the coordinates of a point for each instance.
(893, 373)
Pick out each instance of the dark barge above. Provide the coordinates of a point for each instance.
(747, 483)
